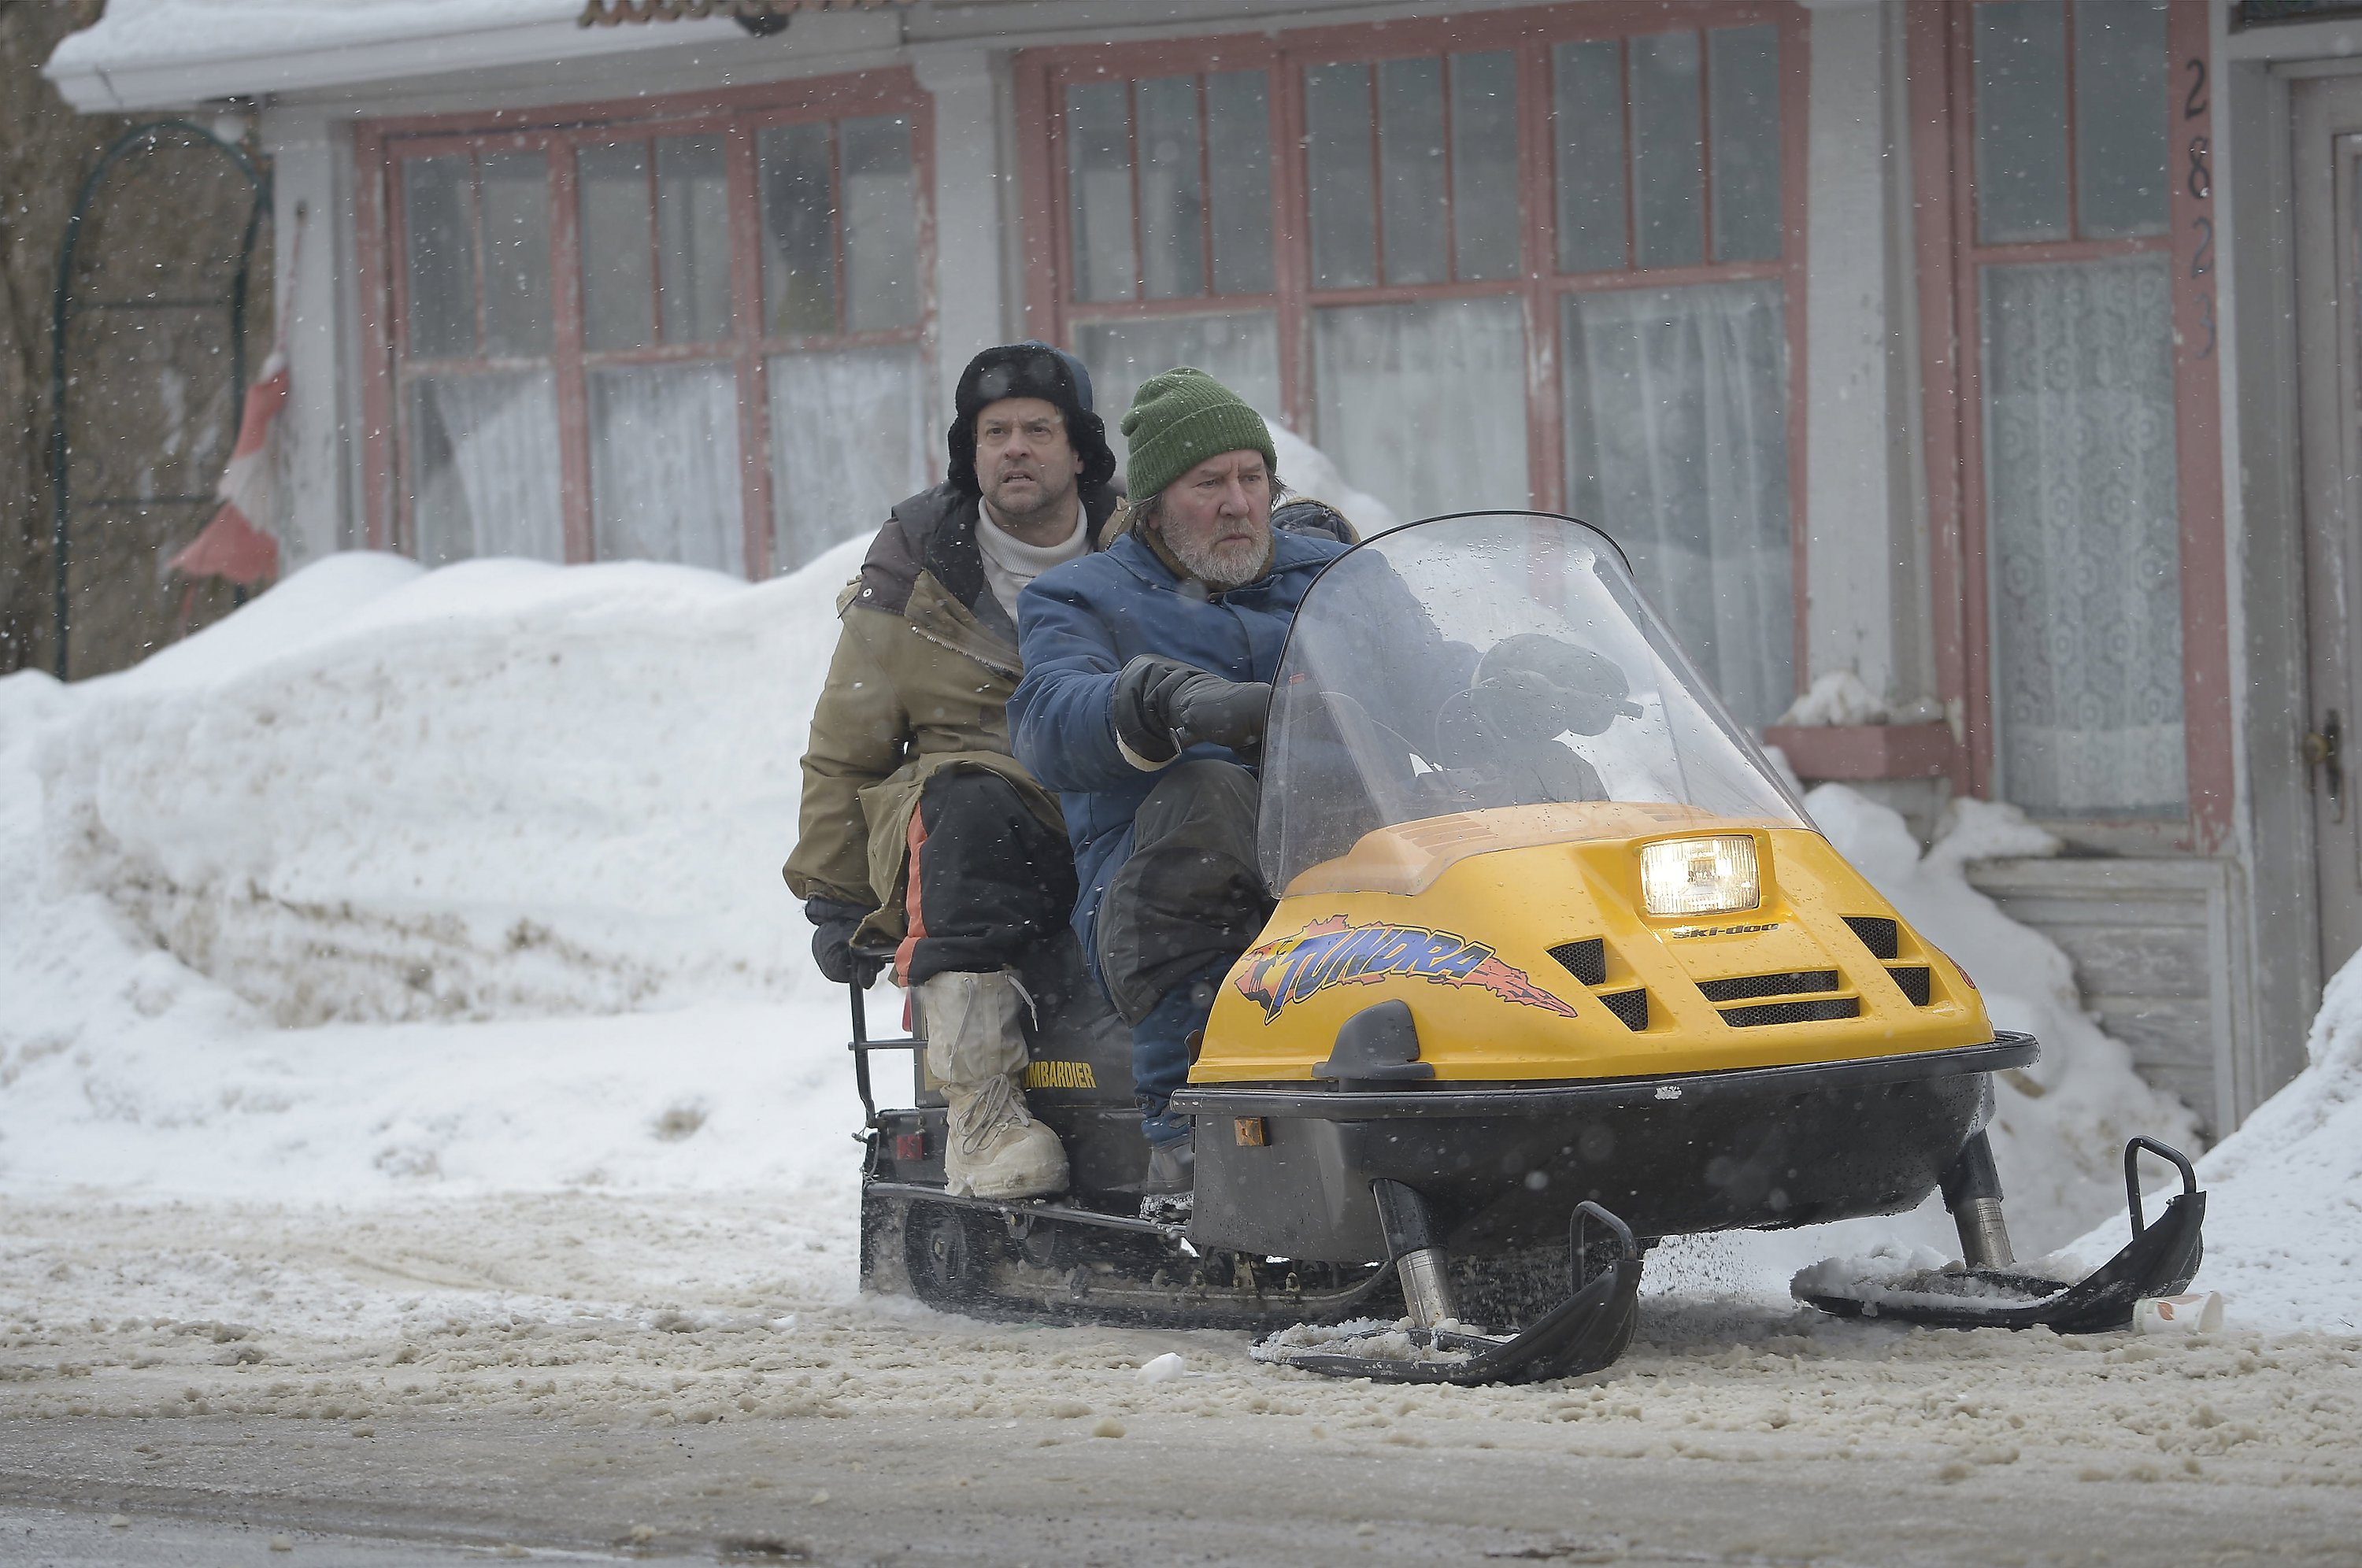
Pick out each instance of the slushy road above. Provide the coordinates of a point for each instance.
(1175, 1488)
(668, 1377)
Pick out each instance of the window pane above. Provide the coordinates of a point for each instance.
(1172, 190)
(1677, 445)
(618, 292)
(516, 253)
(1451, 370)
(664, 466)
(848, 440)
(799, 237)
(1237, 135)
(1485, 165)
(693, 238)
(1337, 155)
(440, 319)
(1410, 162)
(2120, 117)
(2021, 105)
(2085, 547)
(484, 466)
(881, 225)
(1240, 351)
(1587, 107)
(1098, 176)
(1668, 161)
(1745, 71)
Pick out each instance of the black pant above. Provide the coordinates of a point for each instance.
(1189, 895)
(988, 877)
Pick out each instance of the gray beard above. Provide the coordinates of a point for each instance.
(1221, 568)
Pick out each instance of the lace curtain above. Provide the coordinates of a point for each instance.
(848, 440)
(484, 477)
(1424, 405)
(664, 466)
(1677, 445)
(2084, 542)
(1241, 351)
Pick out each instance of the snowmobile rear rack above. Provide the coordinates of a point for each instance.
(860, 1045)
(1582, 1333)
(2160, 1260)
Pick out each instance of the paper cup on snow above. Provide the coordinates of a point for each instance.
(2201, 1314)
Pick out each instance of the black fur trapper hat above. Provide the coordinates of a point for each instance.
(1028, 369)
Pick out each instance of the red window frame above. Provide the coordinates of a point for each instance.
(737, 115)
(1043, 75)
(1942, 87)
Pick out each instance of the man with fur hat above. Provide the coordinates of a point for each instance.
(1147, 672)
(920, 833)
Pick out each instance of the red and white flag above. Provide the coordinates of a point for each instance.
(233, 545)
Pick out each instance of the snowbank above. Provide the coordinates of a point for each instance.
(504, 788)
(2284, 1192)
(1836, 697)
(1308, 471)
(1839, 697)
(431, 814)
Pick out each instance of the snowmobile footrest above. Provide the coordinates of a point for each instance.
(2160, 1260)
(1050, 1210)
(1582, 1333)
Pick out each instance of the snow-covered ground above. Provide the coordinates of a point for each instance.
(400, 1014)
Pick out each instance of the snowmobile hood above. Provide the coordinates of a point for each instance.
(1496, 792)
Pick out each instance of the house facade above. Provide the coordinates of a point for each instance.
(1998, 352)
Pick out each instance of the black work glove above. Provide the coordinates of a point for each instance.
(1142, 705)
(1161, 705)
(1221, 713)
(833, 925)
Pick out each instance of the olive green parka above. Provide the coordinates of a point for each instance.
(926, 658)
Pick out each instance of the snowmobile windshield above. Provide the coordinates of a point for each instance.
(1500, 668)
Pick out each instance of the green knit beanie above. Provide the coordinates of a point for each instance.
(1181, 418)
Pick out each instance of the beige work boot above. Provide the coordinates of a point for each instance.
(975, 1050)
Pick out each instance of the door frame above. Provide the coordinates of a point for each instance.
(2325, 160)
(2262, 79)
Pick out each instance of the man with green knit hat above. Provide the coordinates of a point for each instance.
(1147, 674)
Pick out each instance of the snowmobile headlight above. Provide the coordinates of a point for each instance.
(1700, 875)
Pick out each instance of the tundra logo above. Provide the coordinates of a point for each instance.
(1333, 953)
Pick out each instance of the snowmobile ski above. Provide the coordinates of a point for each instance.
(2160, 1260)
(1582, 1333)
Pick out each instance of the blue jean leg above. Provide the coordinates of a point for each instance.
(1160, 1051)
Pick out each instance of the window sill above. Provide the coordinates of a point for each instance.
(1850, 753)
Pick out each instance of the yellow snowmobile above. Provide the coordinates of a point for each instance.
(1557, 966)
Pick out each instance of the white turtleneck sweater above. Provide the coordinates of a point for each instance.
(1010, 563)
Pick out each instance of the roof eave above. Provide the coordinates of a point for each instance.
(188, 81)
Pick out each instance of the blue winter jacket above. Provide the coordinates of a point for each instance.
(1078, 625)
